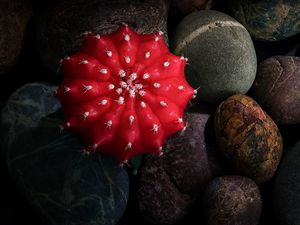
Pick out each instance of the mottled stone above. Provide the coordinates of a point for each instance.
(232, 200)
(50, 167)
(286, 195)
(248, 137)
(270, 20)
(170, 184)
(14, 16)
(60, 25)
(222, 59)
(277, 88)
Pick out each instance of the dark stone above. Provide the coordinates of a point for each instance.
(60, 24)
(182, 8)
(286, 198)
(63, 183)
(232, 200)
(222, 59)
(277, 88)
(14, 16)
(170, 184)
(270, 20)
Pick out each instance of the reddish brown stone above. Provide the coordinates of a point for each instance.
(248, 137)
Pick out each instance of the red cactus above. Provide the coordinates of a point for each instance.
(124, 93)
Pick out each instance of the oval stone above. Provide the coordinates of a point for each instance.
(248, 138)
(222, 59)
(63, 183)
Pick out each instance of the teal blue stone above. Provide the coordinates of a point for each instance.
(267, 20)
(50, 167)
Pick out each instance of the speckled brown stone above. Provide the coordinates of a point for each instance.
(232, 200)
(248, 137)
(277, 88)
(170, 184)
(60, 25)
(14, 16)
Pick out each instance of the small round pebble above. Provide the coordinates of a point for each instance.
(232, 200)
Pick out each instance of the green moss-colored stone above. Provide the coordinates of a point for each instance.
(222, 59)
(268, 20)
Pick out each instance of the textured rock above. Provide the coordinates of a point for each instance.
(50, 168)
(248, 137)
(221, 54)
(232, 200)
(270, 20)
(277, 88)
(184, 7)
(169, 185)
(14, 16)
(286, 198)
(60, 25)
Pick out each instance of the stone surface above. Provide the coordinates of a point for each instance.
(14, 16)
(222, 59)
(60, 25)
(49, 166)
(248, 138)
(232, 200)
(184, 7)
(270, 20)
(277, 88)
(286, 198)
(170, 184)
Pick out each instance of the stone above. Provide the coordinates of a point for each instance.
(277, 88)
(184, 7)
(60, 25)
(14, 18)
(286, 198)
(248, 138)
(63, 183)
(270, 20)
(170, 184)
(232, 200)
(222, 59)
